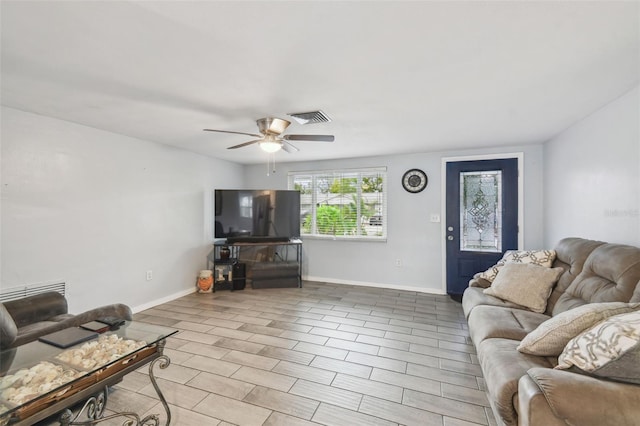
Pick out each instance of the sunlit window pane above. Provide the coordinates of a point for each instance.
(342, 203)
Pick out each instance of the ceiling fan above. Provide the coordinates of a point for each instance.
(271, 137)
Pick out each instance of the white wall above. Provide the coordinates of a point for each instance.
(592, 176)
(97, 210)
(411, 236)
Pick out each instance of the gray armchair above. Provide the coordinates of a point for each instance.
(26, 319)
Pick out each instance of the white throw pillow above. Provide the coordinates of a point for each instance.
(525, 284)
(537, 257)
(551, 337)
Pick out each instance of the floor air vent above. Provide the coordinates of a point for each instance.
(312, 117)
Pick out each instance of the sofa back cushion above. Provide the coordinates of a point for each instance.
(36, 308)
(610, 274)
(571, 254)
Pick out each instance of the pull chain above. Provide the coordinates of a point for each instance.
(271, 159)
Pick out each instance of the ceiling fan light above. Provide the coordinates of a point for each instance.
(270, 146)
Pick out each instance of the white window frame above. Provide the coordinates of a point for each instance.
(314, 174)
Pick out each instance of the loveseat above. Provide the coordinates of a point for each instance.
(24, 320)
(524, 388)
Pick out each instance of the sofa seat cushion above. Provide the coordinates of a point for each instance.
(62, 317)
(475, 296)
(32, 332)
(486, 322)
(36, 326)
(502, 367)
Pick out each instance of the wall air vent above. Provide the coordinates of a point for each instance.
(312, 117)
(14, 293)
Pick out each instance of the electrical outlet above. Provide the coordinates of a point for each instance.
(398, 263)
(435, 217)
(149, 275)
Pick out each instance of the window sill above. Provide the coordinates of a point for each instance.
(359, 239)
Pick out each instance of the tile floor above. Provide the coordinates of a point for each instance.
(324, 354)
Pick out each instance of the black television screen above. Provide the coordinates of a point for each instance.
(244, 214)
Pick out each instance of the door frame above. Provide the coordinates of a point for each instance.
(443, 200)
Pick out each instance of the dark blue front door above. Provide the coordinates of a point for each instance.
(482, 217)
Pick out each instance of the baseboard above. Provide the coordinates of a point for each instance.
(162, 300)
(377, 285)
(185, 292)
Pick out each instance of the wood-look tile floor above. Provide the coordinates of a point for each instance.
(323, 354)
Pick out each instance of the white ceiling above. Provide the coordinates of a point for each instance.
(395, 77)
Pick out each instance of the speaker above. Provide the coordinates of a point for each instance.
(239, 276)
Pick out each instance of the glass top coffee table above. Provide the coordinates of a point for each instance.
(38, 380)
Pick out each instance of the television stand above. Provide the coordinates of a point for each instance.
(273, 273)
(235, 240)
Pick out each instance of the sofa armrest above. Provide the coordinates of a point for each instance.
(36, 308)
(557, 397)
(8, 328)
(117, 310)
(533, 408)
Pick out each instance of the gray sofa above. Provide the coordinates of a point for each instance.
(26, 319)
(524, 389)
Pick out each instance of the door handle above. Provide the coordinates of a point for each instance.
(450, 237)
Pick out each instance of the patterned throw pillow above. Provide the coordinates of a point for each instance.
(525, 284)
(537, 257)
(550, 338)
(610, 349)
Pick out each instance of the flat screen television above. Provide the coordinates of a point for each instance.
(243, 215)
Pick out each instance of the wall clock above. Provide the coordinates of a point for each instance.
(414, 180)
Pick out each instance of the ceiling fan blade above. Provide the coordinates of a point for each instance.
(245, 144)
(286, 146)
(235, 133)
(315, 138)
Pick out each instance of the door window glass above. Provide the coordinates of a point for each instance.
(481, 211)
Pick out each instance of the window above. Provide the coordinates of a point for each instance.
(346, 204)
(246, 205)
